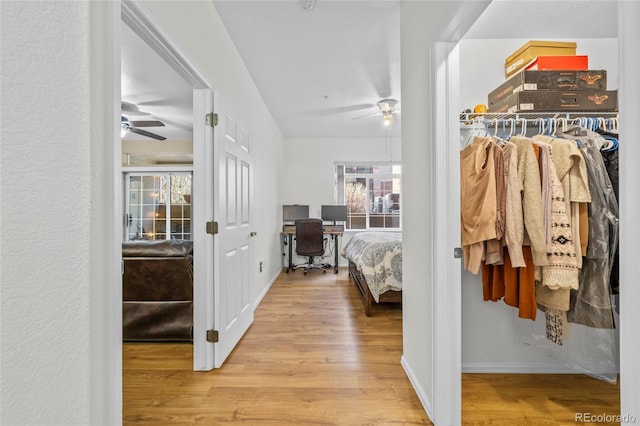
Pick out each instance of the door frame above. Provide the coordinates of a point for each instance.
(446, 290)
(142, 23)
(628, 62)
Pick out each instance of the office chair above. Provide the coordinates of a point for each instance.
(310, 243)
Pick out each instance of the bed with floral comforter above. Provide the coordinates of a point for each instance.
(375, 264)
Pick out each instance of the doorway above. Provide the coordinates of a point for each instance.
(158, 85)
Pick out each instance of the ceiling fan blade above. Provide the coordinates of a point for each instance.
(147, 134)
(373, 114)
(131, 109)
(340, 109)
(146, 123)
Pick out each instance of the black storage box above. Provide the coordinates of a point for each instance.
(556, 100)
(550, 80)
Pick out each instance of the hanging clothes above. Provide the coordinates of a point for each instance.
(514, 223)
(478, 200)
(493, 253)
(528, 219)
(515, 282)
(591, 304)
(610, 157)
(529, 177)
(561, 274)
(544, 160)
(571, 170)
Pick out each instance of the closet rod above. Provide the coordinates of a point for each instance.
(603, 120)
(570, 115)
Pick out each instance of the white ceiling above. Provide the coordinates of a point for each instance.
(544, 19)
(320, 69)
(155, 89)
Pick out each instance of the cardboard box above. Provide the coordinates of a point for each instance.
(575, 62)
(550, 80)
(557, 101)
(534, 48)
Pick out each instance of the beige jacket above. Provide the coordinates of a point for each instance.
(529, 177)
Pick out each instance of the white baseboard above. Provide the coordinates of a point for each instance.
(266, 289)
(422, 395)
(518, 368)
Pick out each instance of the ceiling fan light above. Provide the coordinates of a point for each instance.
(308, 5)
(123, 131)
(388, 119)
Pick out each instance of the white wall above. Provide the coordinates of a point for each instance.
(54, 362)
(309, 171)
(498, 347)
(217, 60)
(422, 24)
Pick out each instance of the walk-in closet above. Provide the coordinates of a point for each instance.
(498, 336)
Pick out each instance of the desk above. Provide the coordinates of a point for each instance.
(334, 230)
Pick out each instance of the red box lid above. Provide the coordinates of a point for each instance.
(573, 62)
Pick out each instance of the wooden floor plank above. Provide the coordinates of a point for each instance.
(312, 357)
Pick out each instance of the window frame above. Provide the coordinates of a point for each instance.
(340, 177)
(167, 173)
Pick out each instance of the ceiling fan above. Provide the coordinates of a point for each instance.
(133, 127)
(388, 107)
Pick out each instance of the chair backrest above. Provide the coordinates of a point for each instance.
(309, 237)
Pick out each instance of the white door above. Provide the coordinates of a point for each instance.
(233, 308)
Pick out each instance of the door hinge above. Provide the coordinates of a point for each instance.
(212, 119)
(457, 252)
(212, 227)
(212, 336)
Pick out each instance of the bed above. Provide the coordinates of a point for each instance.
(375, 265)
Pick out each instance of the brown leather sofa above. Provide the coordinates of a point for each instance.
(157, 290)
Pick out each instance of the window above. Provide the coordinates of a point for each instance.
(158, 206)
(371, 193)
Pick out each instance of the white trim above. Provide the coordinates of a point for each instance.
(445, 275)
(629, 87)
(422, 395)
(145, 26)
(110, 12)
(266, 290)
(156, 169)
(203, 244)
(367, 163)
(518, 368)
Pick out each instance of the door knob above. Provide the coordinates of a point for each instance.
(253, 233)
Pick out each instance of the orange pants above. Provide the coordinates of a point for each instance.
(516, 285)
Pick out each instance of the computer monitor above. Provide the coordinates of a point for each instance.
(292, 212)
(334, 213)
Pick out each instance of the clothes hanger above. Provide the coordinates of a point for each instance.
(564, 121)
(541, 126)
(523, 123)
(495, 137)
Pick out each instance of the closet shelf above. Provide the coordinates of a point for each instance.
(569, 115)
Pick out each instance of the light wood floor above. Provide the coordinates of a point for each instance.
(312, 357)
